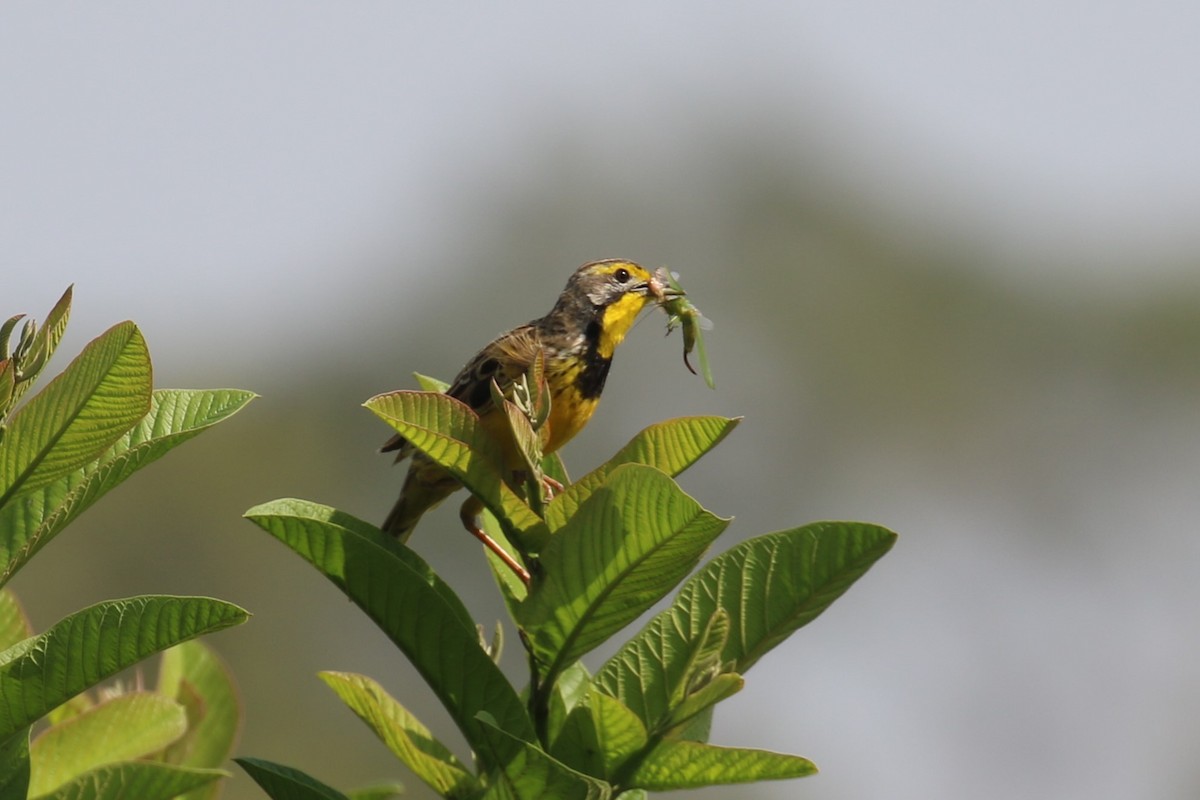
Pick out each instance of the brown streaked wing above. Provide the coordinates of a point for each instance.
(505, 359)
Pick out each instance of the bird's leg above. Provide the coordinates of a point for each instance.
(550, 487)
(553, 487)
(469, 514)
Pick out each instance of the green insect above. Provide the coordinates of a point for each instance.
(682, 313)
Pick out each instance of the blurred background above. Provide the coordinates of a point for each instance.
(952, 256)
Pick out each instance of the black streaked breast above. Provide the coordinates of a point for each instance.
(595, 370)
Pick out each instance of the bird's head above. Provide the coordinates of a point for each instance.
(616, 291)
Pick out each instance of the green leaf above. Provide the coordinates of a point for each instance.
(691, 765)
(99, 396)
(528, 444)
(145, 780)
(599, 736)
(8, 389)
(14, 625)
(633, 794)
(553, 467)
(429, 384)
(123, 728)
(36, 517)
(704, 660)
(671, 446)
(629, 544)
(6, 331)
(449, 432)
(45, 342)
(194, 675)
(570, 690)
(79, 704)
(551, 464)
(415, 615)
(697, 729)
(706, 681)
(14, 766)
(703, 698)
(404, 735)
(511, 587)
(769, 586)
(305, 515)
(94, 644)
(287, 783)
(526, 771)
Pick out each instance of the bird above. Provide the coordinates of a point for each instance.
(577, 338)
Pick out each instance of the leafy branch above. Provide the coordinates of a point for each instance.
(606, 549)
(83, 434)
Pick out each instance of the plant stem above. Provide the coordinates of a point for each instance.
(539, 703)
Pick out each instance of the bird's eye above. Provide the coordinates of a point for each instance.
(622, 275)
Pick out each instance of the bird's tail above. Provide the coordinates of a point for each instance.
(425, 486)
(401, 520)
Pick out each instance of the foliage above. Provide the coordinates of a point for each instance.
(601, 553)
(83, 434)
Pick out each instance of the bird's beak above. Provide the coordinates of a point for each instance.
(660, 288)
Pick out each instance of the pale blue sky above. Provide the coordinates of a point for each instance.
(259, 142)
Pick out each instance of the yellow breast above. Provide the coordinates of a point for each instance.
(569, 412)
(618, 319)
